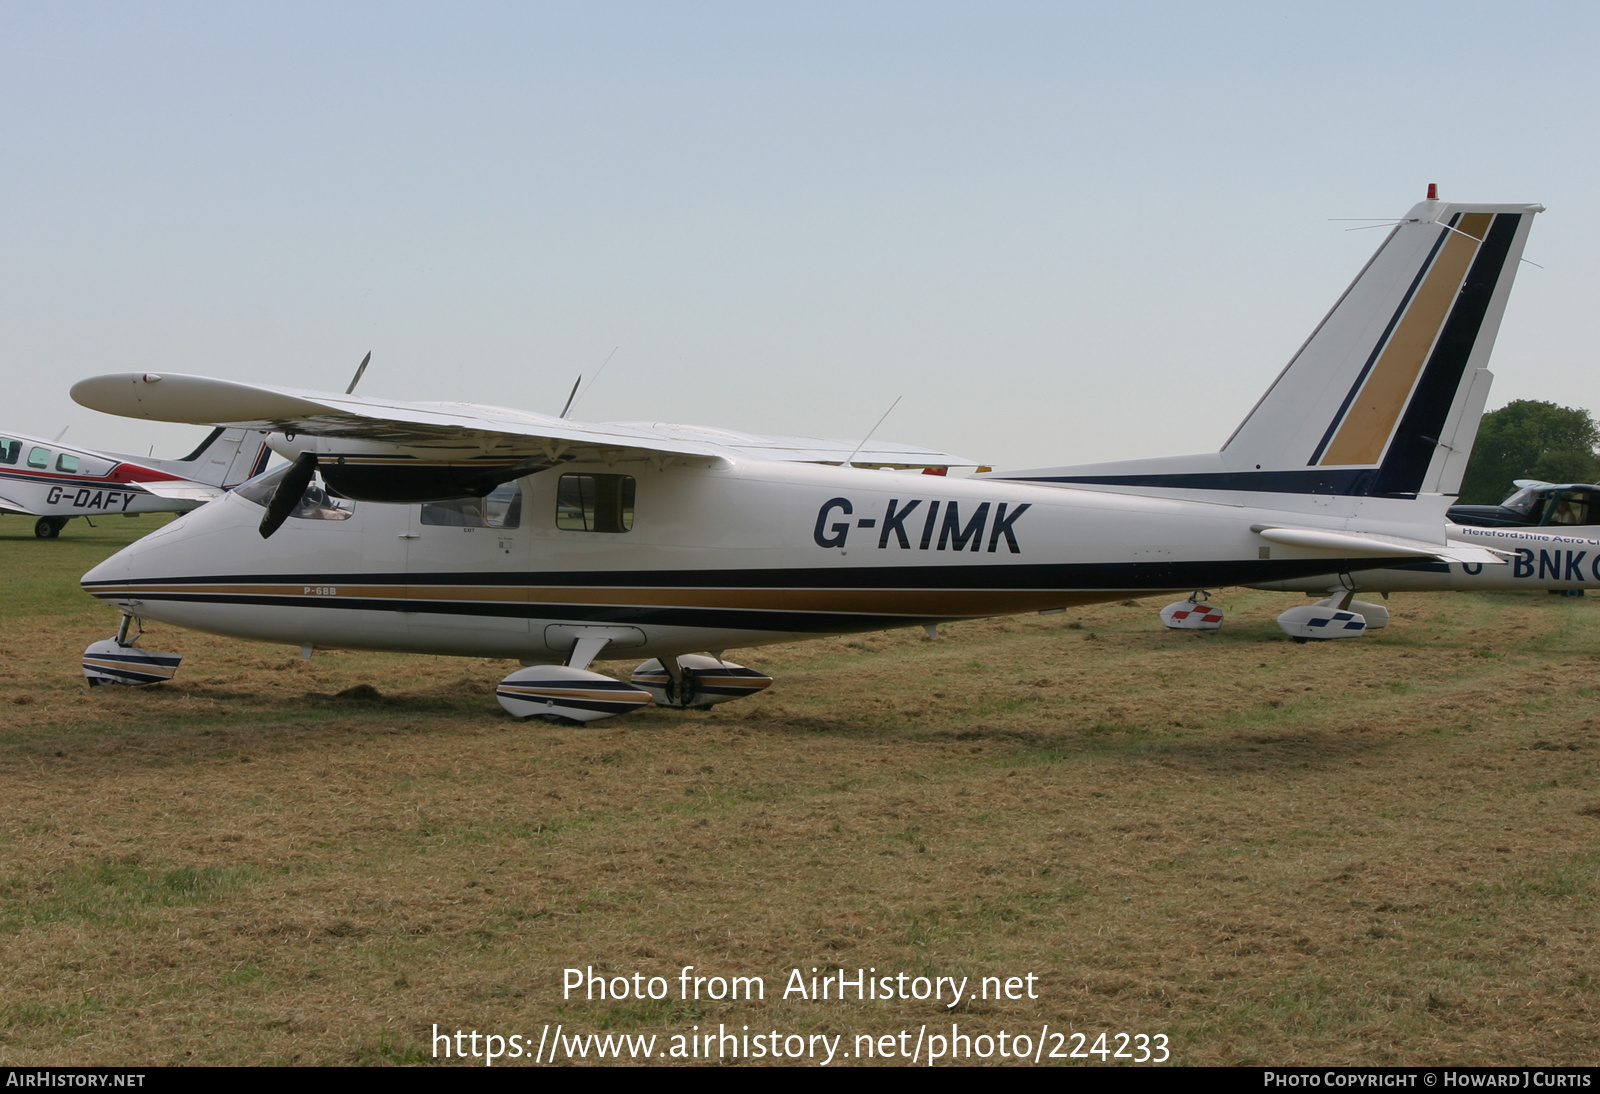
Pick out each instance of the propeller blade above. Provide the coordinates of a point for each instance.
(289, 493)
(356, 379)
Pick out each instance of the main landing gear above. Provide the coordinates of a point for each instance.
(570, 694)
(1338, 616)
(1193, 614)
(49, 527)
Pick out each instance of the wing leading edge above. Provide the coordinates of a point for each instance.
(465, 430)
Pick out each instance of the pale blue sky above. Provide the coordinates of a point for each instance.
(1062, 232)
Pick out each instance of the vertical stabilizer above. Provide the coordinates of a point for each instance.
(226, 458)
(1384, 398)
(1372, 389)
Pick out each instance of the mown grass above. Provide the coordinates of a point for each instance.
(1373, 851)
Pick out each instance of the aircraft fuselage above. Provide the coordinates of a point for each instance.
(738, 554)
(1550, 557)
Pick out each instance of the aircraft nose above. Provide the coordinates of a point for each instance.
(127, 563)
(111, 567)
(116, 568)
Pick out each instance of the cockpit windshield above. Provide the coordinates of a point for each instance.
(1524, 502)
(315, 504)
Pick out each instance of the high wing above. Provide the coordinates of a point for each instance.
(461, 432)
(181, 490)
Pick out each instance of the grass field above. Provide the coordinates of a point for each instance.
(1375, 851)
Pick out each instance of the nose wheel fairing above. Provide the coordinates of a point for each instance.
(119, 661)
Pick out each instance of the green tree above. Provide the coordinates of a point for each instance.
(1530, 439)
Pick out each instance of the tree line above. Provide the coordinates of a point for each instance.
(1530, 439)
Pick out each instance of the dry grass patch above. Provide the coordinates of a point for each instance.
(1373, 851)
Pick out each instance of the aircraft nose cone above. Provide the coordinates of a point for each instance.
(125, 564)
(115, 568)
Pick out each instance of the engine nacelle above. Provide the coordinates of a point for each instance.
(705, 681)
(557, 693)
(1321, 621)
(110, 662)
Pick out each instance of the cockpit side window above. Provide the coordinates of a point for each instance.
(595, 503)
(9, 450)
(1568, 507)
(502, 508)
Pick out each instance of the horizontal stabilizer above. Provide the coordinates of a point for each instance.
(1365, 545)
(182, 490)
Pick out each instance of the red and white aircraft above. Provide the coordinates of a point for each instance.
(55, 482)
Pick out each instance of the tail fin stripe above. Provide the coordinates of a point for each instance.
(1413, 448)
(1377, 348)
(205, 444)
(1366, 430)
(259, 466)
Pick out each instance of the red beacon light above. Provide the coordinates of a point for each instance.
(1433, 191)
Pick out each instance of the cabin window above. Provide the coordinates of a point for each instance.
(9, 450)
(1569, 507)
(500, 509)
(67, 463)
(595, 503)
(39, 457)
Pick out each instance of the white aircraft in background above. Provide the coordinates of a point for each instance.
(55, 482)
(1546, 530)
(472, 530)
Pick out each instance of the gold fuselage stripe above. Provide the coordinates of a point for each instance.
(913, 602)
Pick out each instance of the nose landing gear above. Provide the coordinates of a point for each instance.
(117, 661)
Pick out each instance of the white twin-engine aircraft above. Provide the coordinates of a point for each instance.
(459, 529)
(55, 482)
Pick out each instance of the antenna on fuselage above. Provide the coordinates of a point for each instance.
(575, 396)
(63, 433)
(873, 430)
(356, 379)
